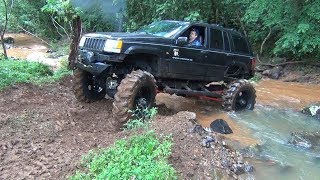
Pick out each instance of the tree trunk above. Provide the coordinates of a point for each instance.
(265, 40)
(2, 31)
(76, 34)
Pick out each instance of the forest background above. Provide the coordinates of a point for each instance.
(276, 28)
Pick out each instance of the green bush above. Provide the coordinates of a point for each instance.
(139, 157)
(21, 71)
(141, 118)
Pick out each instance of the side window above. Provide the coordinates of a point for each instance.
(226, 41)
(240, 44)
(216, 40)
(195, 36)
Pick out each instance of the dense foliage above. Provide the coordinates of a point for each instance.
(51, 18)
(139, 157)
(287, 28)
(284, 28)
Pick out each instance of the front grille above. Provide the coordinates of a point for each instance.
(94, 43)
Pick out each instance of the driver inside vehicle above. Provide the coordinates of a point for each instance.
(194, 39)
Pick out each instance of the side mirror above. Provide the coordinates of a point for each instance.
(181, 41)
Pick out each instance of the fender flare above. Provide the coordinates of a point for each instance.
(143, 50)
(237, 64)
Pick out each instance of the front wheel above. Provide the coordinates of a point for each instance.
(240, 95)
(86, 87)
(136, 91)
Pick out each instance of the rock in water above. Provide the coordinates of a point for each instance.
(312, 110)
(221, 126)
(276, 72)
(273, 73)
(308, 140)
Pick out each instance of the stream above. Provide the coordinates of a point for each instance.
(270, 124)
(277, 158)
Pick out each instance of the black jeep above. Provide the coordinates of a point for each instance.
(133, 67)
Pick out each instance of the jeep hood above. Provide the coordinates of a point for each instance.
(130, 37)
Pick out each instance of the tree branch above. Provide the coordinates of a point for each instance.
(265, 40)
(61, 28)
(34, 35)
(4, 29)
(282, 64)
(54, 24)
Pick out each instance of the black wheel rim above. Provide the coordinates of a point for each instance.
(143, 98)
(91, 85)
(243, 100)
(143, 102)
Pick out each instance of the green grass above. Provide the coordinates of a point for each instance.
(21, 71)
(139, 157)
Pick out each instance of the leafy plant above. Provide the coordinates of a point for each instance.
(141, 118)
(21, 71)
(256, 78)
(139, 157)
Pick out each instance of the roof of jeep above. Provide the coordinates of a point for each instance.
(207, 25)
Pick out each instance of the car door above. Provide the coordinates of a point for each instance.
(241, 52)
(219, 54)
(187, 62)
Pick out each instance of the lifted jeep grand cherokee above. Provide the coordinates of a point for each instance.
(133, 67)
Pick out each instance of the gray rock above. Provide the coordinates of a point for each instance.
(308, 140)
(312, 110)
(206, 141)
(273, 73)
(276, 72)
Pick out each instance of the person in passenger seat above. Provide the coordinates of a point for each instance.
(194, 38)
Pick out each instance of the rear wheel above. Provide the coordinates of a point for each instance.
(86, 87)
(240, 95)
(136, 91)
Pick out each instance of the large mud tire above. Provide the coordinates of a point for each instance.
(136, 86)
(240, 95)
(84, 87)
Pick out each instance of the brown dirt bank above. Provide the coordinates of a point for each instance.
(44, 132)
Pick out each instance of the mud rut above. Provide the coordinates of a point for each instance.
(44, 131)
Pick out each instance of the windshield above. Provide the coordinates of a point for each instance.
(163, 28)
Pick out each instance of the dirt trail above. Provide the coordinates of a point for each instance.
(44, 131)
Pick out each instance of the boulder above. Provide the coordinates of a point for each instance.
(273, 73)
(307, 140)
(220, 126)
(312, 110)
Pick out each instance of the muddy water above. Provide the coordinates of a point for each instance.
(32, 49)
(25, 45)
(287, 95)
(276, 115)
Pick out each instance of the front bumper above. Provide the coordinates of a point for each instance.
(95, 62)
(94, 68)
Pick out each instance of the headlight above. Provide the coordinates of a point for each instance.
(113, 46)
(82, 41)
